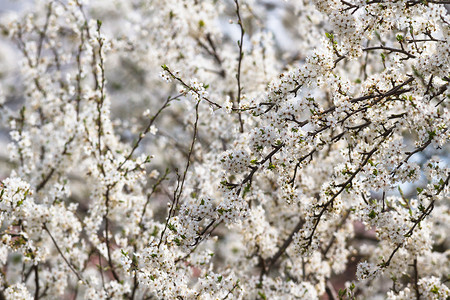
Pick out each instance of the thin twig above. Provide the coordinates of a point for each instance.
(108, 246)
(177, 196)
(147, 129)
(61, 253)
(241, 56)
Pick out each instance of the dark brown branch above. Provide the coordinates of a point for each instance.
(101, 100)
(36, 281)
(416, 279)
(135, 280)
(80, 71)
(344, 185)
(187, 86)
(411, 153)
(108, 245)
(52, 170)
(155, 186)
(231, 291)
(241, 55)
(249, 176)
(409, 55)
(284, 246)
(213, 52)
(424, 214)
(204, 231)
(61, 253)
(180, 185)
(43, 33)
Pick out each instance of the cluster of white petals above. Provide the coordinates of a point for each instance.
(179, 149)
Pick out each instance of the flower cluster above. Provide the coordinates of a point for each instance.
(151, 149)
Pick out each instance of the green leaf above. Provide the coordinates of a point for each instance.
(435, 290)
(262, 295)
(342, 292)
(155, 231)
(221, 210)
(246, 190)
(271, 166)
(171, 227)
